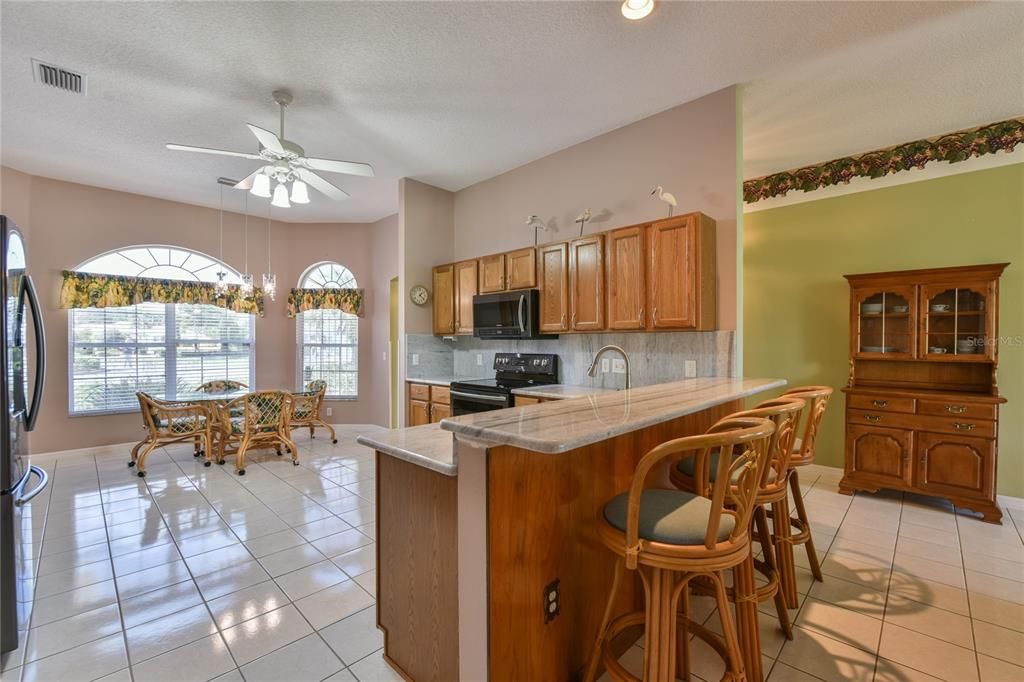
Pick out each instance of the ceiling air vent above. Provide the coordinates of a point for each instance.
(58, 77)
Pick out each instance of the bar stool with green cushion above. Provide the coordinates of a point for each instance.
(671, 537)
(817, 398)
(777, 564)
(306, 407)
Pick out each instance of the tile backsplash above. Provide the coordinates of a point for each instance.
(654, 357)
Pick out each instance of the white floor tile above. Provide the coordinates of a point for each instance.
(355, 637)
(261, 635)
(306, 659)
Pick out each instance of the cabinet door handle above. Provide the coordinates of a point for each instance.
(562, 323)
(880, 403)
(956, 409)
(872, 417)
(959, 426)
(655, 314)
(641, 317)
(574, 320)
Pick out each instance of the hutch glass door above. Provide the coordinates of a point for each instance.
(957, 322)
(884, 321)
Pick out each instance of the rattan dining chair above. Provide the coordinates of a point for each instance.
(170, 422)
(306, 408)
(263, 422)
(220, 386)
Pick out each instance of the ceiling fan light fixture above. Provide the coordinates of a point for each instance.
(280, 196)
(300, 192)
(261, 186)
(635, 10)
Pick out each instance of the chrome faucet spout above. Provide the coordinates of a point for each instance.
(592, 370)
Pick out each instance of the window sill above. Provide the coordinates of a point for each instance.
(102, 413)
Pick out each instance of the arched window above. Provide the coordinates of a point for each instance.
(329, 339)
(164, 349)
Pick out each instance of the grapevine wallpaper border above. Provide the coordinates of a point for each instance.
(952, 147)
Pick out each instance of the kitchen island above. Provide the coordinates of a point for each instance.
(488, 563)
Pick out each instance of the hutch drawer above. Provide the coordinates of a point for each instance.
(957, 408)
(881, 402)
(978, 428)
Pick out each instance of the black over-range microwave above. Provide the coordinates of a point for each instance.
(508, 315)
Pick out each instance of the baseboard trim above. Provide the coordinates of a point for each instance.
(112, 448)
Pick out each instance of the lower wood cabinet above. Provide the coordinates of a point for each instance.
(955, 465)
(879, 454)
(524, 400)
(419, 412)
(428, 404)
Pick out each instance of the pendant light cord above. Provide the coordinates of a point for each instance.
(269, 269)
(221, 225)
(246, 211)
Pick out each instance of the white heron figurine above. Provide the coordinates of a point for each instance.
(537, 224)
(667, 197)
(583, 219)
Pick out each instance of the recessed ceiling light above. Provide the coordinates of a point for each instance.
(634, 10)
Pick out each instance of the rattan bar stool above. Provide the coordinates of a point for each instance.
(772, 491)
(671, 537)
(817, 398)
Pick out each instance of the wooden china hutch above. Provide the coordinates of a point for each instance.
(922, 405)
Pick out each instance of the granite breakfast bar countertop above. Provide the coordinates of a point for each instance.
(563, 425)
(560, 391)
(427, 446)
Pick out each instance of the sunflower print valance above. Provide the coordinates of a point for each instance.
(87, 290)
(345, 300)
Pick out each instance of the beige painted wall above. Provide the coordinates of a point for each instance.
(67, 223)
(691, 150)
(384, 267)
(426, 239)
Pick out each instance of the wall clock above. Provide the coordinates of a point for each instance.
(419, 294)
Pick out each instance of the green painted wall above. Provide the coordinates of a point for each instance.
(796, 300)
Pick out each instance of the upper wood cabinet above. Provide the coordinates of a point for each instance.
(492, 273)
(586, 283)
(444, 299)
(521, 269)
(681, 273)
(465, 290)
(627, 278)
(553, 267)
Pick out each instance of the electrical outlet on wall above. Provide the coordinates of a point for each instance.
(330, 411)
(619, 366)
(605, 364)
(690, 368)
(479, 359)
(415, 358)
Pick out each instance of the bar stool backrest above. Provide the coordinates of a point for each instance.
(785, 413)
(736, 483)
(817, 398)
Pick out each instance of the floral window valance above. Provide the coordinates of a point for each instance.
(345, 300)
(87, 290)
(953, 147)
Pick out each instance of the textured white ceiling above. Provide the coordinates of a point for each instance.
(451, 93)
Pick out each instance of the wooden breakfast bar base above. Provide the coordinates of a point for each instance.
(496, 572)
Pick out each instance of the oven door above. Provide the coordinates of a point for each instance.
(466, 401)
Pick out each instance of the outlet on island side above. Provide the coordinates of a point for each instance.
(552, 600)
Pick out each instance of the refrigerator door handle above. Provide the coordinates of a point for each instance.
(43, 480)
(37, 324)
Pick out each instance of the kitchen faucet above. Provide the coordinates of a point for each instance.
(592, 370)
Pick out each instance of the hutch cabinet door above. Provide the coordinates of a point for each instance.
(627, 291)
(465, 290)
(672, 276)
(953, 465)
(958, 321)
(553, 263)
(586, 283)
(419, 412)
(883, 322)
(492, 273)
(879, 455)
(521, 269)
(444, 299)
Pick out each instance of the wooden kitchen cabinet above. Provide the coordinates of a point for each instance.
(521, 269)
(428, 404)
(627, 278)
(465, 290)
(586, 283)
(553, 270)
(492, 273)
(419, 413)
(922, 404)
(444, 300)
(681, 273)
(439, 412)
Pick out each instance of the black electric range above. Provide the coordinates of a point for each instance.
(512, 371)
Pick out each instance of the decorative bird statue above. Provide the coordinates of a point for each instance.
(537, 224)
(667, 197)
(582, 219)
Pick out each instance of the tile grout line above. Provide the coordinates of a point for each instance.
(888, 585)
(967, 591)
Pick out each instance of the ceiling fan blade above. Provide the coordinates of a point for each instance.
(347, 167)
(267, 138)
(208, 150)
(321, 185)
(246, 182)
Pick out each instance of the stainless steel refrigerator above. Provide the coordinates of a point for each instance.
(19, 481)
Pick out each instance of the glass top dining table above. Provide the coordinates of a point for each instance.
(210, 396)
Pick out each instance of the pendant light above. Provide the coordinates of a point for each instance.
(261, 186)
(269, 278)
(221, 286)
(246, 287)
(300, 192)
(280, 196)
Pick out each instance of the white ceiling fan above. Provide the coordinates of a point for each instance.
(285, 162)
